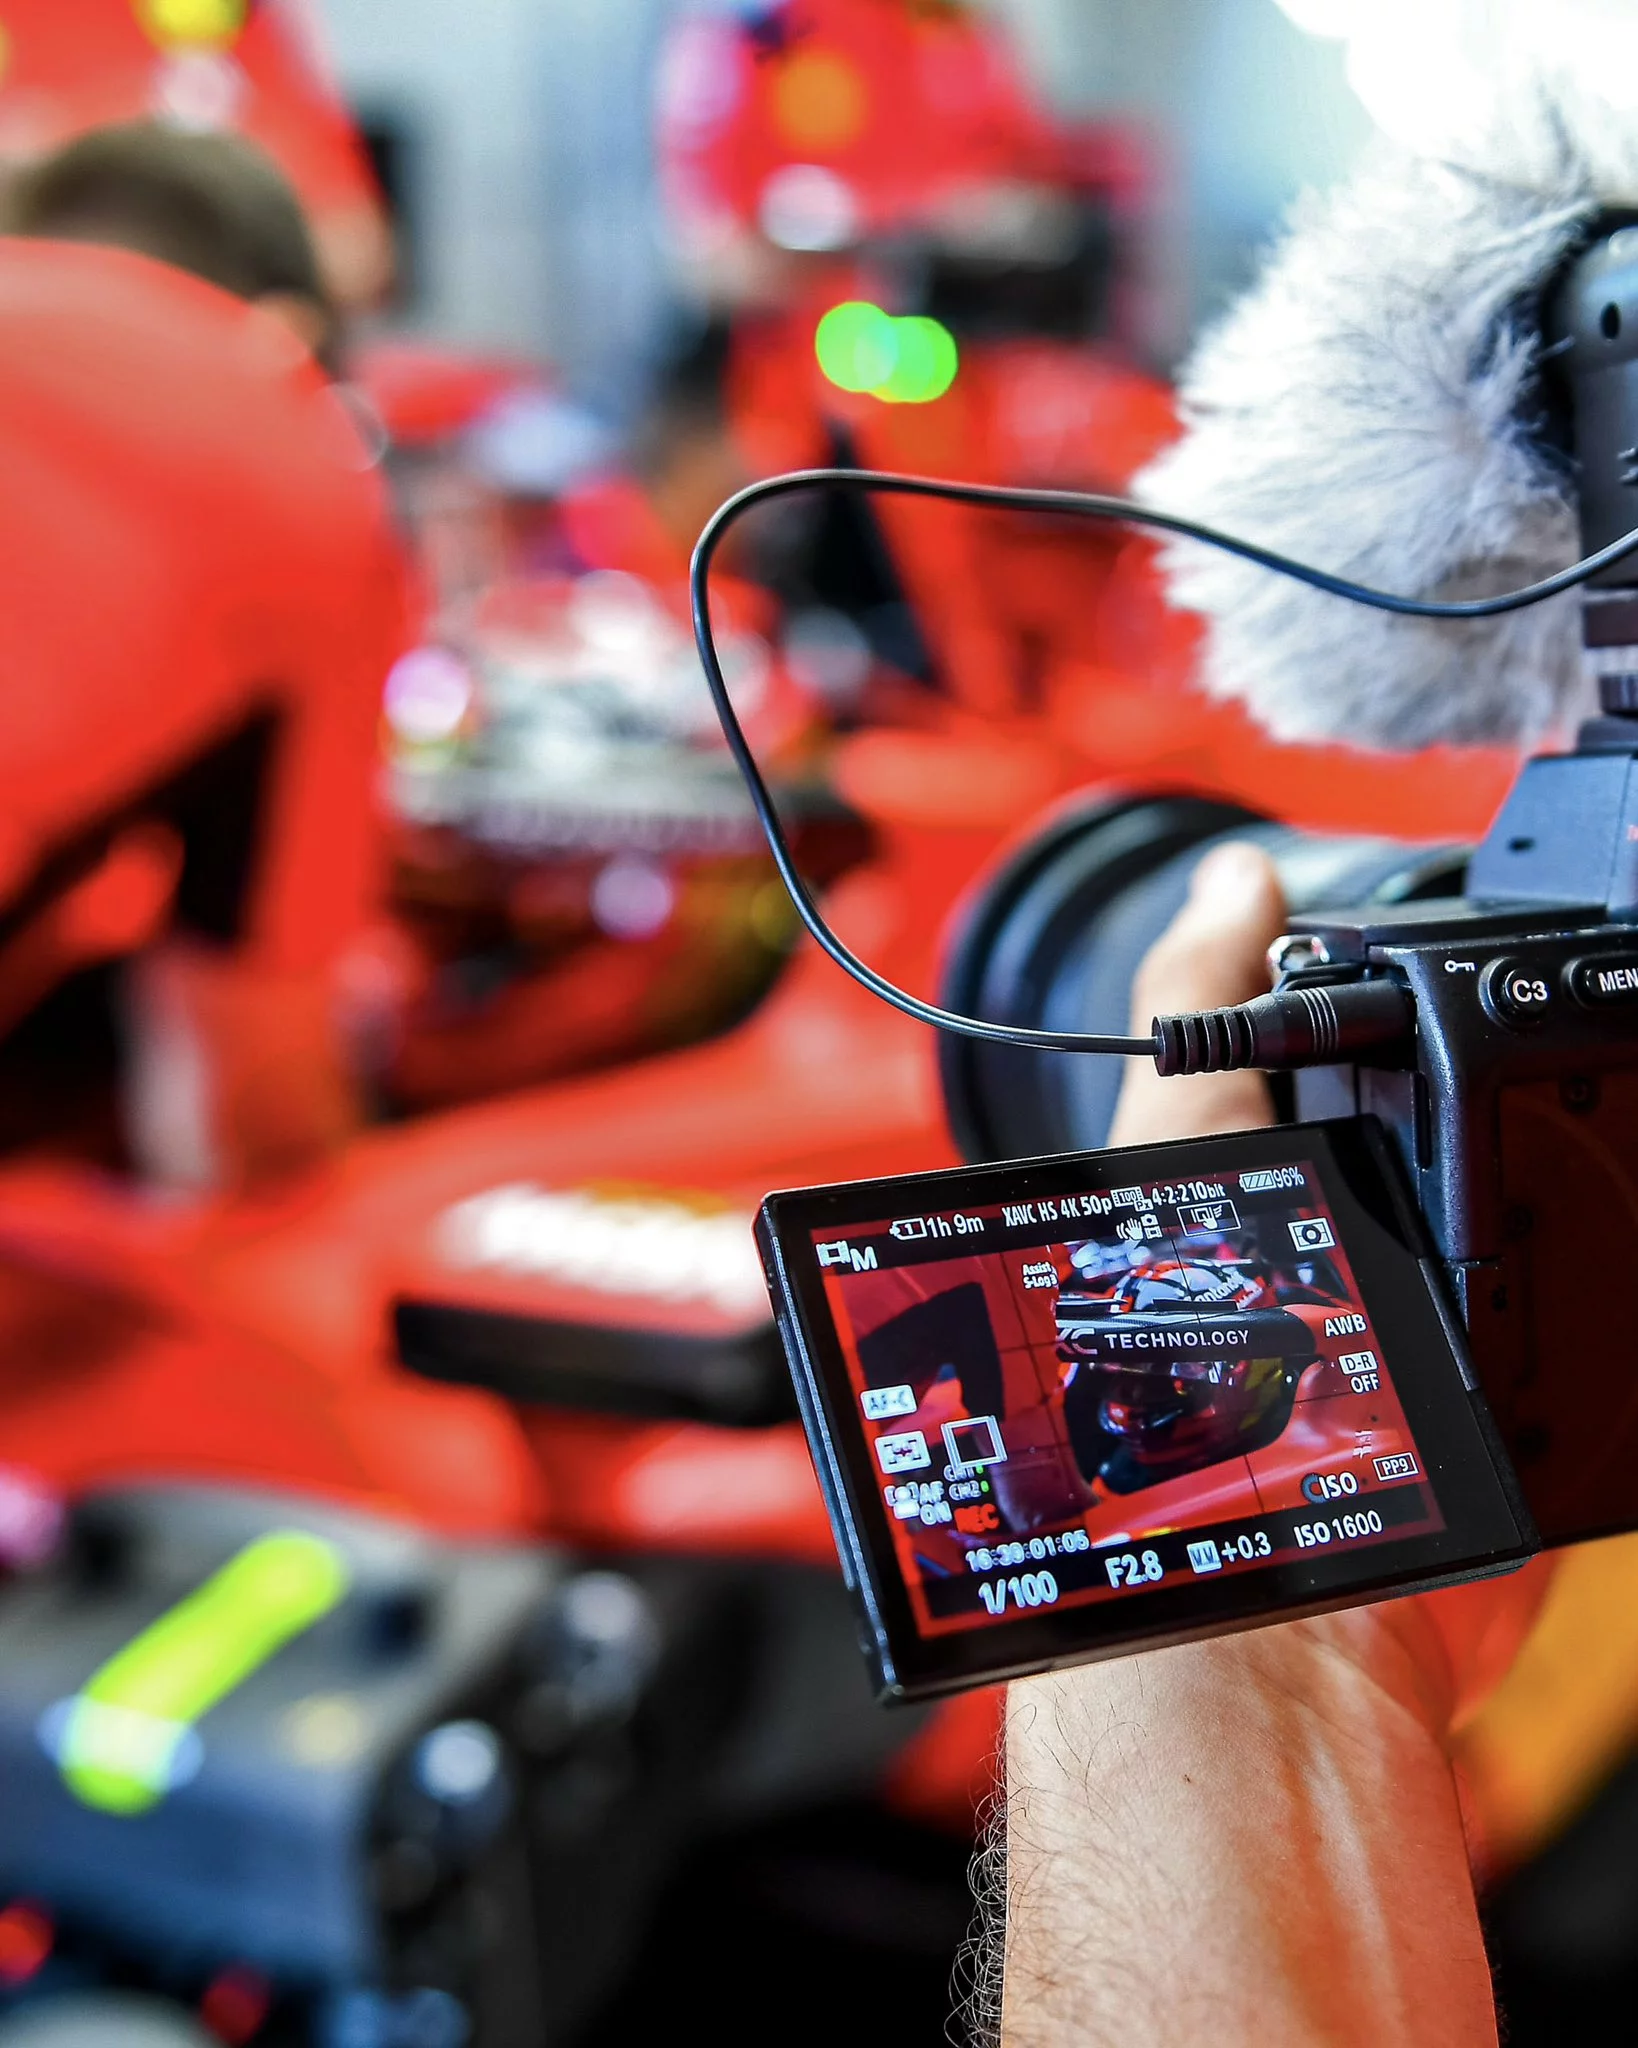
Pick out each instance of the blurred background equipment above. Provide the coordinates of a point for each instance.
(399, 1021)
(308, 1788)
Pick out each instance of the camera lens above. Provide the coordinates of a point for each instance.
(1053, 941)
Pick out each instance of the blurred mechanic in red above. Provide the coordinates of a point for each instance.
(927, 271)
(253, 68)
(202, 594)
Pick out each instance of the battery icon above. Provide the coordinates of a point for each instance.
(909, 1226)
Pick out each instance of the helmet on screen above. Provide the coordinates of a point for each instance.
(1145, 1418)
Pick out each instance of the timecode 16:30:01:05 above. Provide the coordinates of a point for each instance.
(998, 1557)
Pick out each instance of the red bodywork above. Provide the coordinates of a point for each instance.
(252, 1342)
(192, 540)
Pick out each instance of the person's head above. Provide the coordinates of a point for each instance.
(214, 205)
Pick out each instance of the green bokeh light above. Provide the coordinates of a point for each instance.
(857, 346)
(907, 361)
(925, 366)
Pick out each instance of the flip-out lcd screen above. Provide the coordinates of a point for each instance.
(1126, 1389)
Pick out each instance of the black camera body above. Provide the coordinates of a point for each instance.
(1512, 1097)
(1517, 1123)
(1445, 1216)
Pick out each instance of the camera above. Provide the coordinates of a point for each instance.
(1106, 1401)
(1511, 1098)
(1377, 1347)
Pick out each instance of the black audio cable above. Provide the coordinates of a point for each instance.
(1360, 1018)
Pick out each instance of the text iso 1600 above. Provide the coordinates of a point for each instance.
(1340, 1528)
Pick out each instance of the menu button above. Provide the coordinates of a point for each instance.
(1607, 981)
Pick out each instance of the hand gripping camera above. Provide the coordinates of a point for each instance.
(1045, 1397)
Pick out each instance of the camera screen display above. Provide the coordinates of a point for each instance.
(1071, 1398)
(1085, 1391)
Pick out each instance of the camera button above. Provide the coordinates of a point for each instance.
(1516, 994)
(1606, 981)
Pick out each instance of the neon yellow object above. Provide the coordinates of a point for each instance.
(179, 24)
(126, 1730)
(908, 361)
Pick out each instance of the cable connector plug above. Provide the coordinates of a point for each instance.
(1312, 1025)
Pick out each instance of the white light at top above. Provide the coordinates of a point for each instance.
(1494, 85)
(1425, 79)
(1423, 69)
(1323, 17)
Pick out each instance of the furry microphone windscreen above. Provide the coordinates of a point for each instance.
(1373, 406)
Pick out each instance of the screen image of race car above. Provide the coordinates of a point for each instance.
(1075, 1399)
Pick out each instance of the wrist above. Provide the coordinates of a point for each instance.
(1335, 1686)
(1214, 1839)
(1368, 1674)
